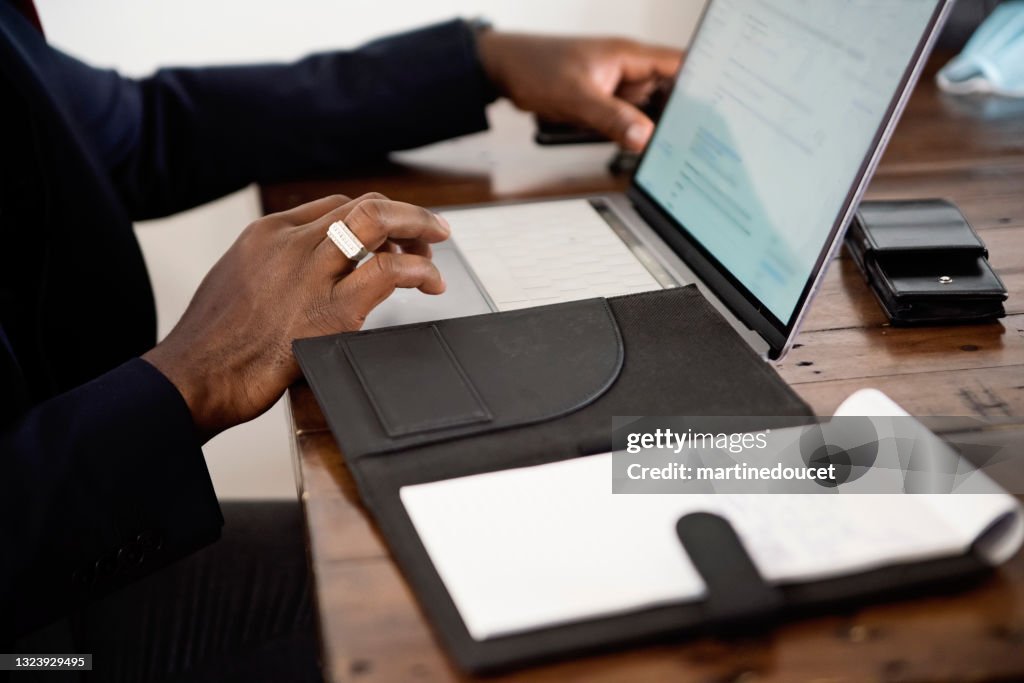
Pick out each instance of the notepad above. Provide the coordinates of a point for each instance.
(530, 548)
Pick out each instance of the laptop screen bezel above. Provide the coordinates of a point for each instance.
(740, 300)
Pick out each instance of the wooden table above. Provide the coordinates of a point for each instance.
(971, 152)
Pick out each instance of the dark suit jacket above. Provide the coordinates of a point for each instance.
(101, 474)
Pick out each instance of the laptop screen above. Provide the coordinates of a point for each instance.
(774, 114)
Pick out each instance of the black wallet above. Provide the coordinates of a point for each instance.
(925, 263)
(436, 401)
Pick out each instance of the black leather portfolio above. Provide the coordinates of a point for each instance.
(925, 263)
(437, 401)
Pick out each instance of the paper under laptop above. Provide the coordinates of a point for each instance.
(524, 549)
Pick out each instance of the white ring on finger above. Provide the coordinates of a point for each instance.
(347, 242)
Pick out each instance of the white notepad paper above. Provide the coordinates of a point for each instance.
(529, 548)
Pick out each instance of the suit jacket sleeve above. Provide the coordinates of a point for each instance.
(100, 485)
(184, 136)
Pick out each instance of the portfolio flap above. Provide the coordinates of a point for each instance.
(392, 389)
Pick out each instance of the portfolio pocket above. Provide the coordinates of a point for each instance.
(414, 382)
(419, 384)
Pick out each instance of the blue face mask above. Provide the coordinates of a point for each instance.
(993, 60)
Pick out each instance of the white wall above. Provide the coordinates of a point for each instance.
(139, 35)
(136, 36)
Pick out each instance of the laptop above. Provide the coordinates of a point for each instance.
(776, 123)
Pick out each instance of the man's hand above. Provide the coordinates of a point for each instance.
(230, 355)
(594, 82)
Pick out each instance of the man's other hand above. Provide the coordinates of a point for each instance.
(593, 82)
(230, 355)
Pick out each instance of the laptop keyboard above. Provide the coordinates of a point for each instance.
(546, 252)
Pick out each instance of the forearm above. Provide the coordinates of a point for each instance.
(206, 132)
(100, 485)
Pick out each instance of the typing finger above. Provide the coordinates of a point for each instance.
(375, 280)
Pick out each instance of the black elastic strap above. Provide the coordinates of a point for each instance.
(736, 591)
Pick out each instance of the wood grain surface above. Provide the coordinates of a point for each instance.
(970, 151)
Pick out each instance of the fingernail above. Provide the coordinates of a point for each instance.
(636, 135)
(444, 223)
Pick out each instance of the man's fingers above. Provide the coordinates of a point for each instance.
(375, 280)
(640, 61)
(309, 212)
(388, 247)
(617, 119)
(637, 92)
(405, 247)
(418, 247)
(375, 220)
